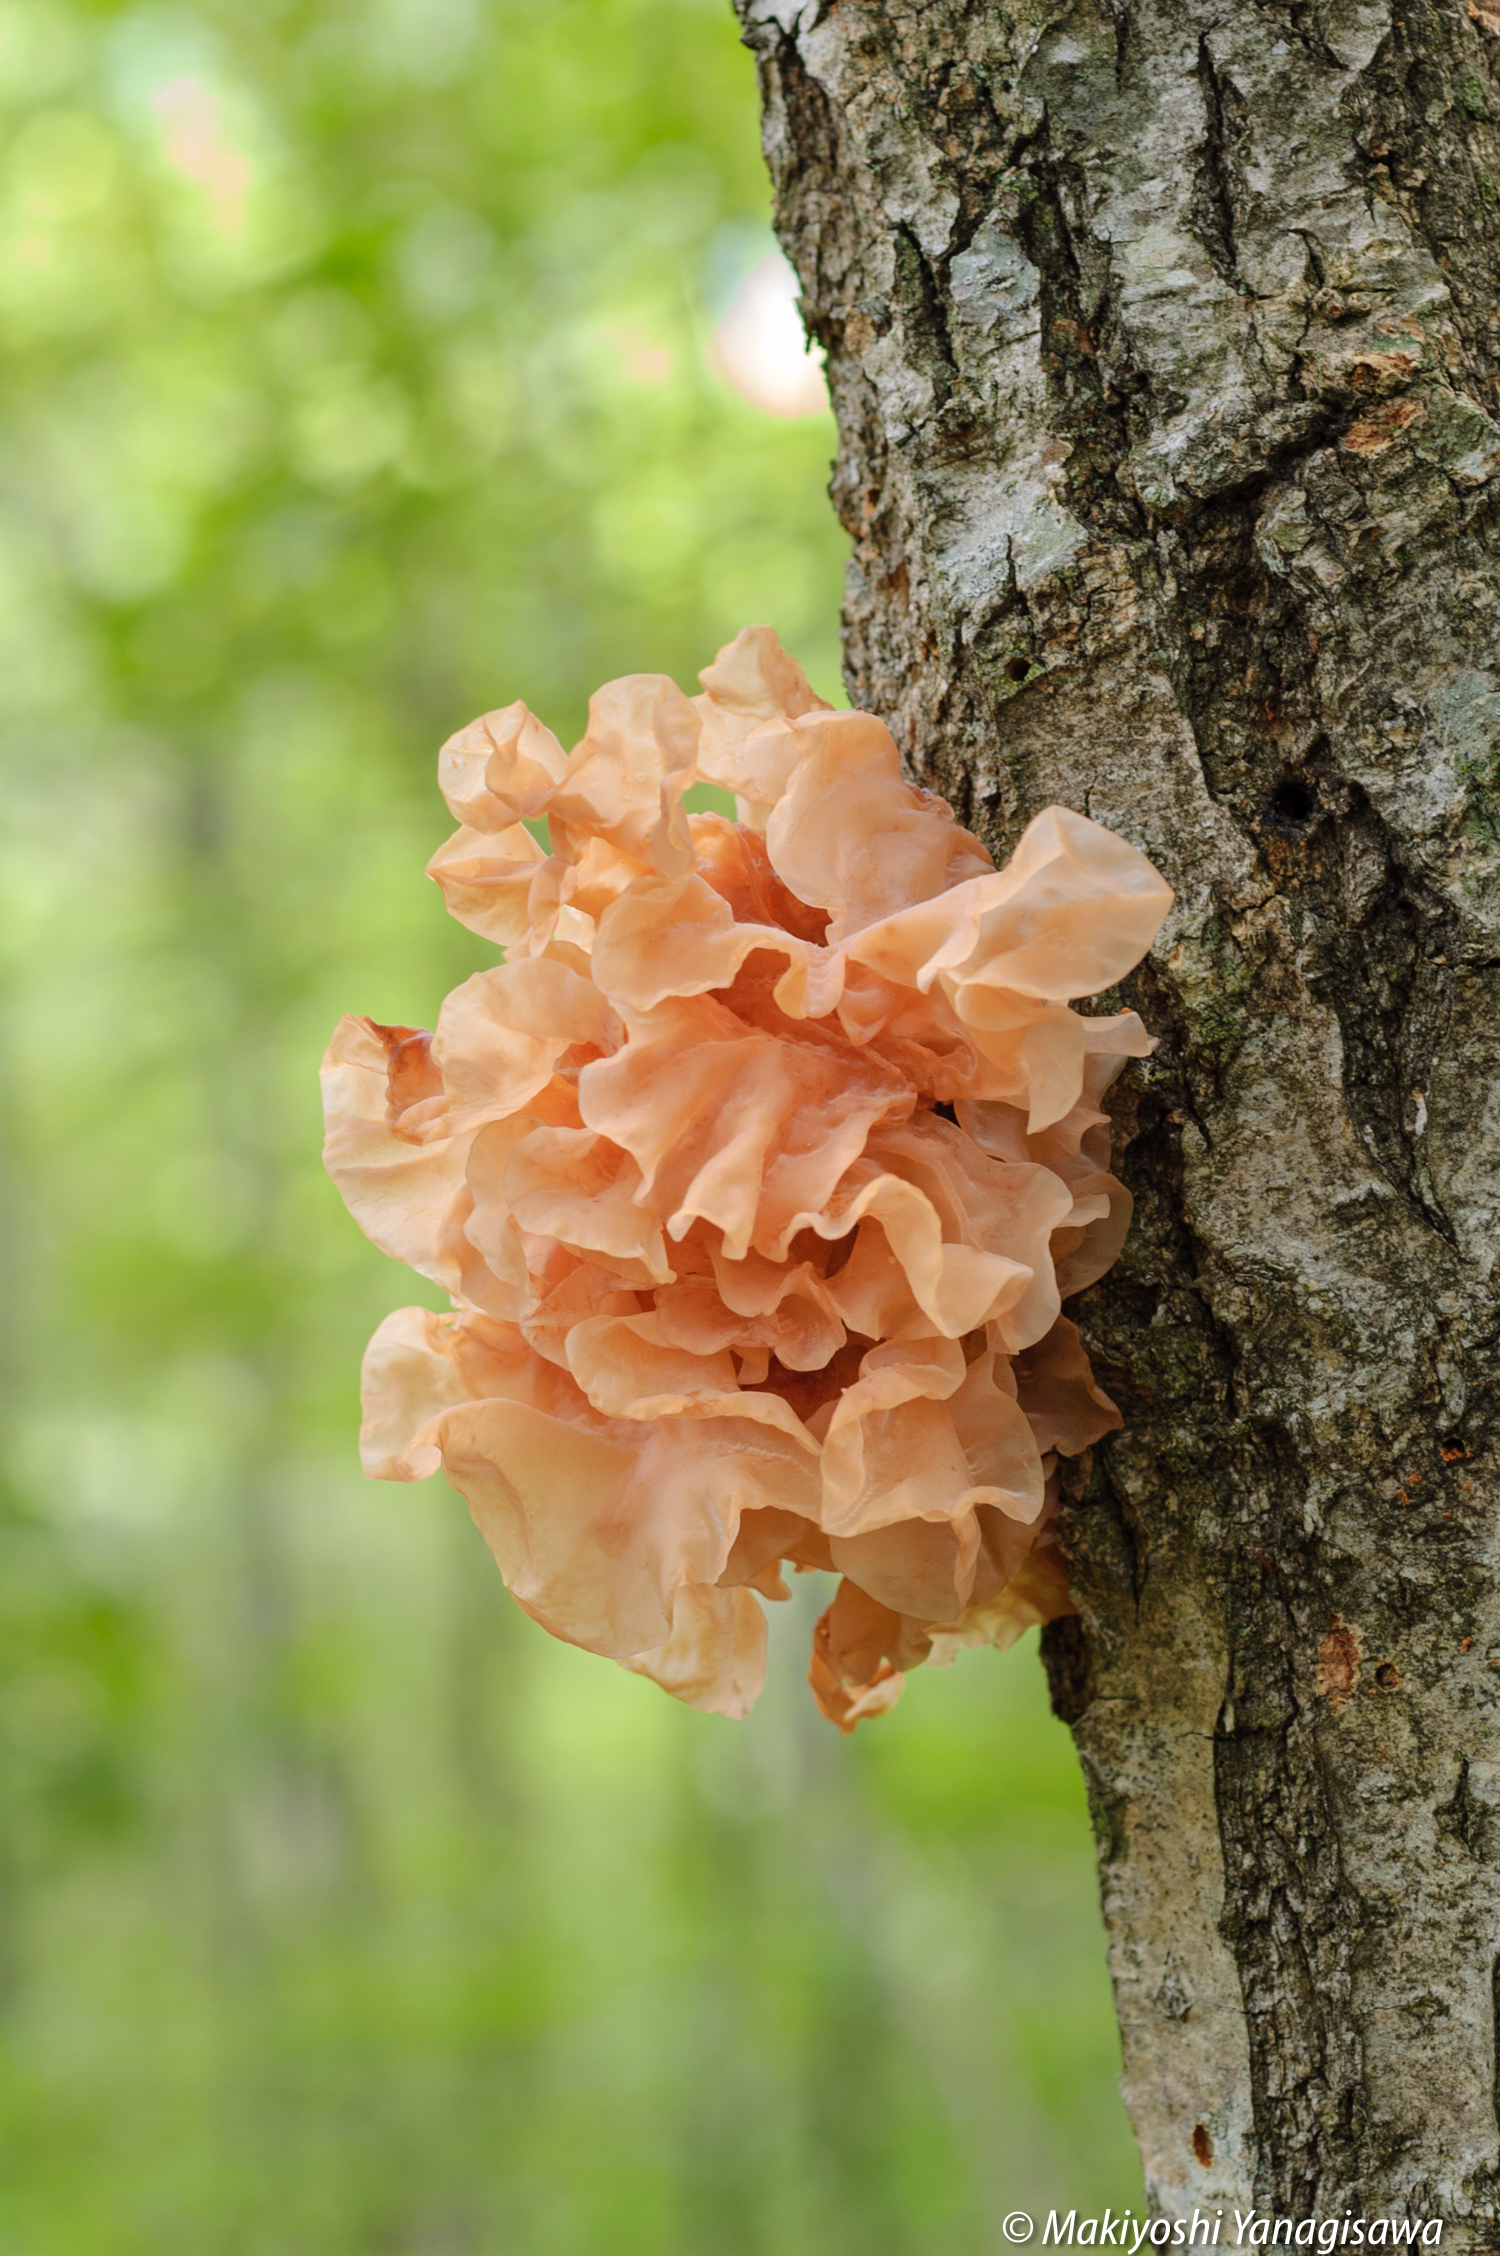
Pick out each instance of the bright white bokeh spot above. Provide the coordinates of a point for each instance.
(759, 346)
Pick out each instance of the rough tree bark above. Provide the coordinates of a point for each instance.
(1164, 337)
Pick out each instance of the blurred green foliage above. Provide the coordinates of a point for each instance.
(355, 382)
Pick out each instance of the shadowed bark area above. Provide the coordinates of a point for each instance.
(1165, 344)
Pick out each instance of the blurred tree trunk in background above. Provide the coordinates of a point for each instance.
(1165, 345)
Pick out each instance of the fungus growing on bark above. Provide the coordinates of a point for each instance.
(729, 1290)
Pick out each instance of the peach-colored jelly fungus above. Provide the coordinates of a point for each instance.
(757, 1172)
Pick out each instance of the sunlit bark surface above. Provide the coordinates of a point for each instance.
(1165, 343)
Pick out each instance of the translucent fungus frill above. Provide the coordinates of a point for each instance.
(757, 1173)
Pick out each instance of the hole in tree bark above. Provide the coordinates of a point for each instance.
(1388, 1677)
(1016, 669)
(1292, 804)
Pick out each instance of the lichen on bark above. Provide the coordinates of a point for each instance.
(1165, 344)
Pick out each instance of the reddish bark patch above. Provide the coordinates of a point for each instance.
(1374, 432)
(1486, 13)
(1077, 336)
(1338, 1666)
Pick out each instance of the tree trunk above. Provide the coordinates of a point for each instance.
(1165, 345)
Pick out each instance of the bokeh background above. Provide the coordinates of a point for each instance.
(358, 377)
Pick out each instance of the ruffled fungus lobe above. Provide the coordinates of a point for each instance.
(757, 1173)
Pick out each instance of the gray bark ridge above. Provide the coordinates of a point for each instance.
(1164, 339)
